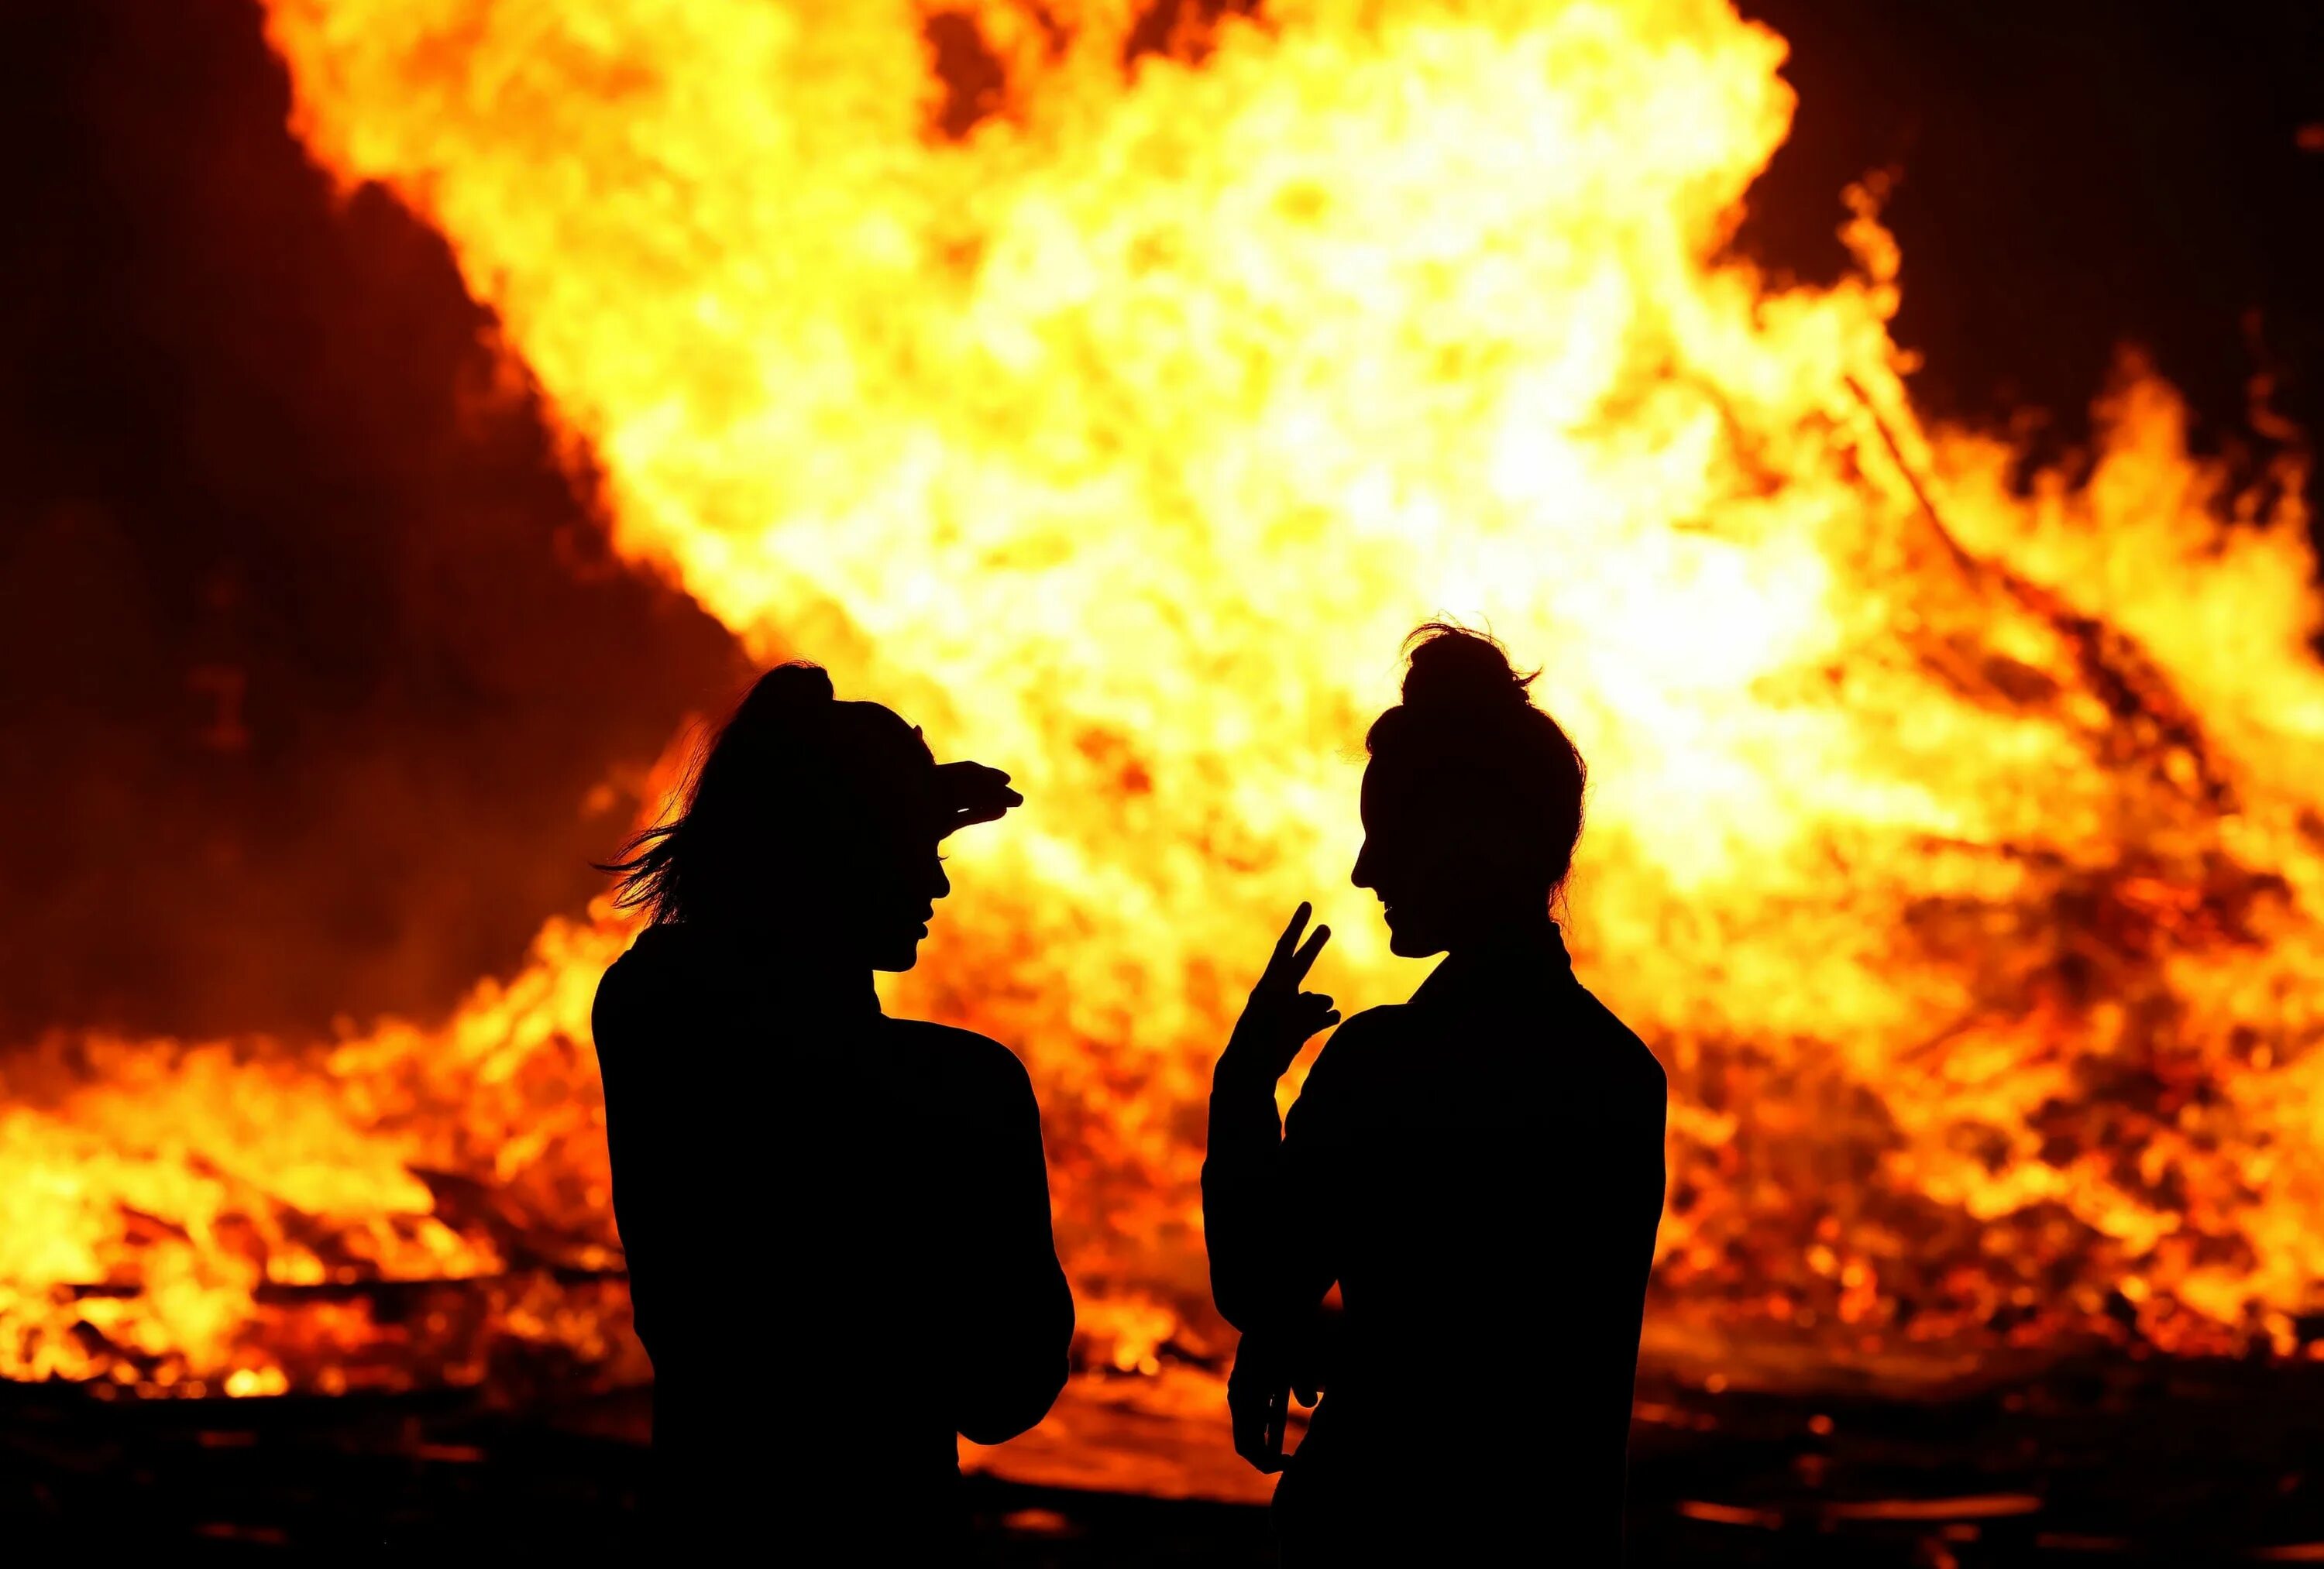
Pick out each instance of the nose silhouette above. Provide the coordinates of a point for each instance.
(940, 885)
(1362, 875)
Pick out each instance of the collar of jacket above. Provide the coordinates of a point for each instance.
(1535, 952)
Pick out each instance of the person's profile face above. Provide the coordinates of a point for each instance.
(1445, 873)
(1404, 862)
(909, 880)
(858, 883)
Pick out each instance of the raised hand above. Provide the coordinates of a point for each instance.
(1280, 1018)
(972, 793)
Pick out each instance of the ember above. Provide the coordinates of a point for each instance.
(1961, 841)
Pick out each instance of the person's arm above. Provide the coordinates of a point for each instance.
(1016, 1311)
(1284, 1272)
(1266, 1273)
(633, 1158)
(1243, 1196)
(1243, 1170)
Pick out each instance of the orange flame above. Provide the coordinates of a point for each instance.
(1959, 847)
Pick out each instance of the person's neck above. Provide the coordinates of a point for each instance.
(821, 974)
(803, 969)
(1525, 931)
(816, 973)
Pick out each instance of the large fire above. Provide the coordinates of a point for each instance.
(1959, 844)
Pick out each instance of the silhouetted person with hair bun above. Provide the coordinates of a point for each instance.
(836, 1223)
(1478, 1170)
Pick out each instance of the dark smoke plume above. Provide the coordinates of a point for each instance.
(314, 657)
(2076, 176)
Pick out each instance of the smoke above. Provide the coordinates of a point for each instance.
(321, 687)
(2074, 176)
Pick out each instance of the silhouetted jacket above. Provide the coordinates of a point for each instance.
(837, 1231)
(1481, 1172)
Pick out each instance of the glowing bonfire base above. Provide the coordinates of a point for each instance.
(1958, 844)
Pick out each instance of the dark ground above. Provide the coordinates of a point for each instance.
(2150, 1463)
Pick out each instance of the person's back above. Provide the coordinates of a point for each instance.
(836, 1223)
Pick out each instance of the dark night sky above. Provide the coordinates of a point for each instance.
(2076, 175)
(254, 436)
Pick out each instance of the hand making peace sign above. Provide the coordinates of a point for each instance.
(1280, 1018)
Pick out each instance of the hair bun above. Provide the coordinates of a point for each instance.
(1453, 667)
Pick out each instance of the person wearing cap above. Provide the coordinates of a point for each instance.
(836, 1223)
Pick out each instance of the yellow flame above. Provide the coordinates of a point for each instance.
(176, 1214)
(1956, 845)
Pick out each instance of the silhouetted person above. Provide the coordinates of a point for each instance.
(837, 1222)
(1479, 1171)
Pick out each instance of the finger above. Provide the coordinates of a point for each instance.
(1304, 960)
(977, 795)
(1250, 1429)
(966, 781)
(1250, 1442)
(1290, 937)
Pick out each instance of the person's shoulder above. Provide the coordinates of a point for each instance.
(1629, 1060)
(1361, 1035)
(1356, 1047)
(670, 984)
(634, 983)
(958, 1057)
